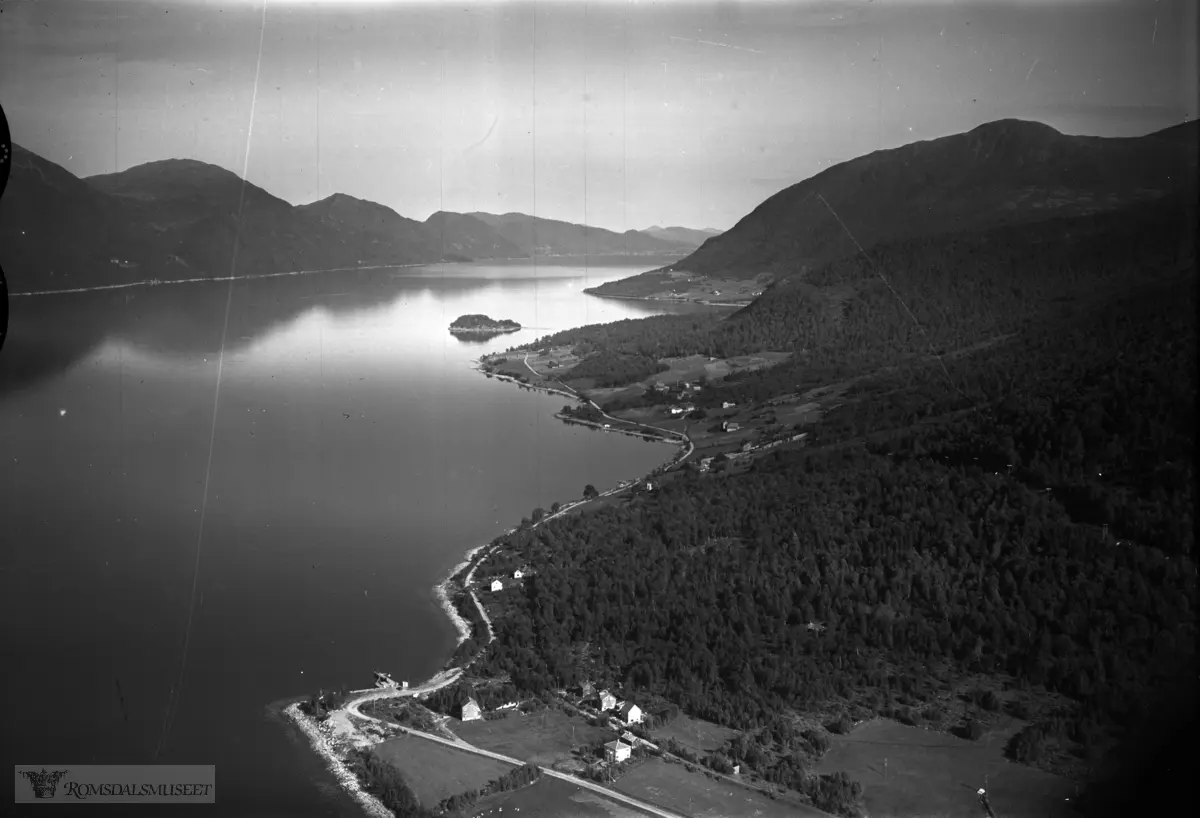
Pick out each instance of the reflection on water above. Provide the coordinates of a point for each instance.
(348, 460)
(49, 334)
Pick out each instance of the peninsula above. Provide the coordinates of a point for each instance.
(472, 324)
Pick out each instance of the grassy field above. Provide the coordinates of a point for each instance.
(551, 798)
(695, 734)
(527, 738)
(931, 774)
(435, 771)
(672, 787)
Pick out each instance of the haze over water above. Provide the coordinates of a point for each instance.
(355, 457)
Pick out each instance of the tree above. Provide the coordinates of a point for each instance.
(555, 506)
(589, 491)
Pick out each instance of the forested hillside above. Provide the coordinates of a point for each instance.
(913, 297)
(906, 549)
(948, 518)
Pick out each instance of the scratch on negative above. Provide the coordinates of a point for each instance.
(720, 45)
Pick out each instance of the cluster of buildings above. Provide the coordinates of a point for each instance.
(626, 712)
(498, 584)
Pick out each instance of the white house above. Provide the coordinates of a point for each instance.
(617, 751)
(607, 700)
(517, 574)
(497, 585)
(728, 404)
(470, 711)
(631, 713)
(675, 410)
(730, 426)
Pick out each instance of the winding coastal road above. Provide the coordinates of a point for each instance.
(678, 436)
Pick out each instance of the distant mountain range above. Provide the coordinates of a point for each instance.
(1001, 173)
(548, 237)
(179, 218)
(683, 235)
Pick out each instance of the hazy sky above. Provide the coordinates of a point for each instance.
(617, 114)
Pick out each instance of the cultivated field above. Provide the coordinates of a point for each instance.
(703, 736)
(932, 774)
(435, 771)
(529, 739)
(672, 787)
(551, 798)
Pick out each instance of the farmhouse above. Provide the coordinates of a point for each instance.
(517, 574)
(676, 410)
(631, 713)
(730, 426)
(497, 585)
(617, 751)
(470, 711)
(728, 404)
(587, 690)
(607, 700)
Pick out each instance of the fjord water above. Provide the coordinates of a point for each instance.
(355, 457)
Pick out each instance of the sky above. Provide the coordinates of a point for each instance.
(614, 114)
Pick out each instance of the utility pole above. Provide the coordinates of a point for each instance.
(983, 799)
(885, 769)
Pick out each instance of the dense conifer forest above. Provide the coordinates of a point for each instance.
(1022, 509)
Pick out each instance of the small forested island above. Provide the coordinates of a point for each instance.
(482, 324)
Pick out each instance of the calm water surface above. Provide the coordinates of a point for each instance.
(355, 457)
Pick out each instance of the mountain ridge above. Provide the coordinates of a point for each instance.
(1003, 172)
(174, 219)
